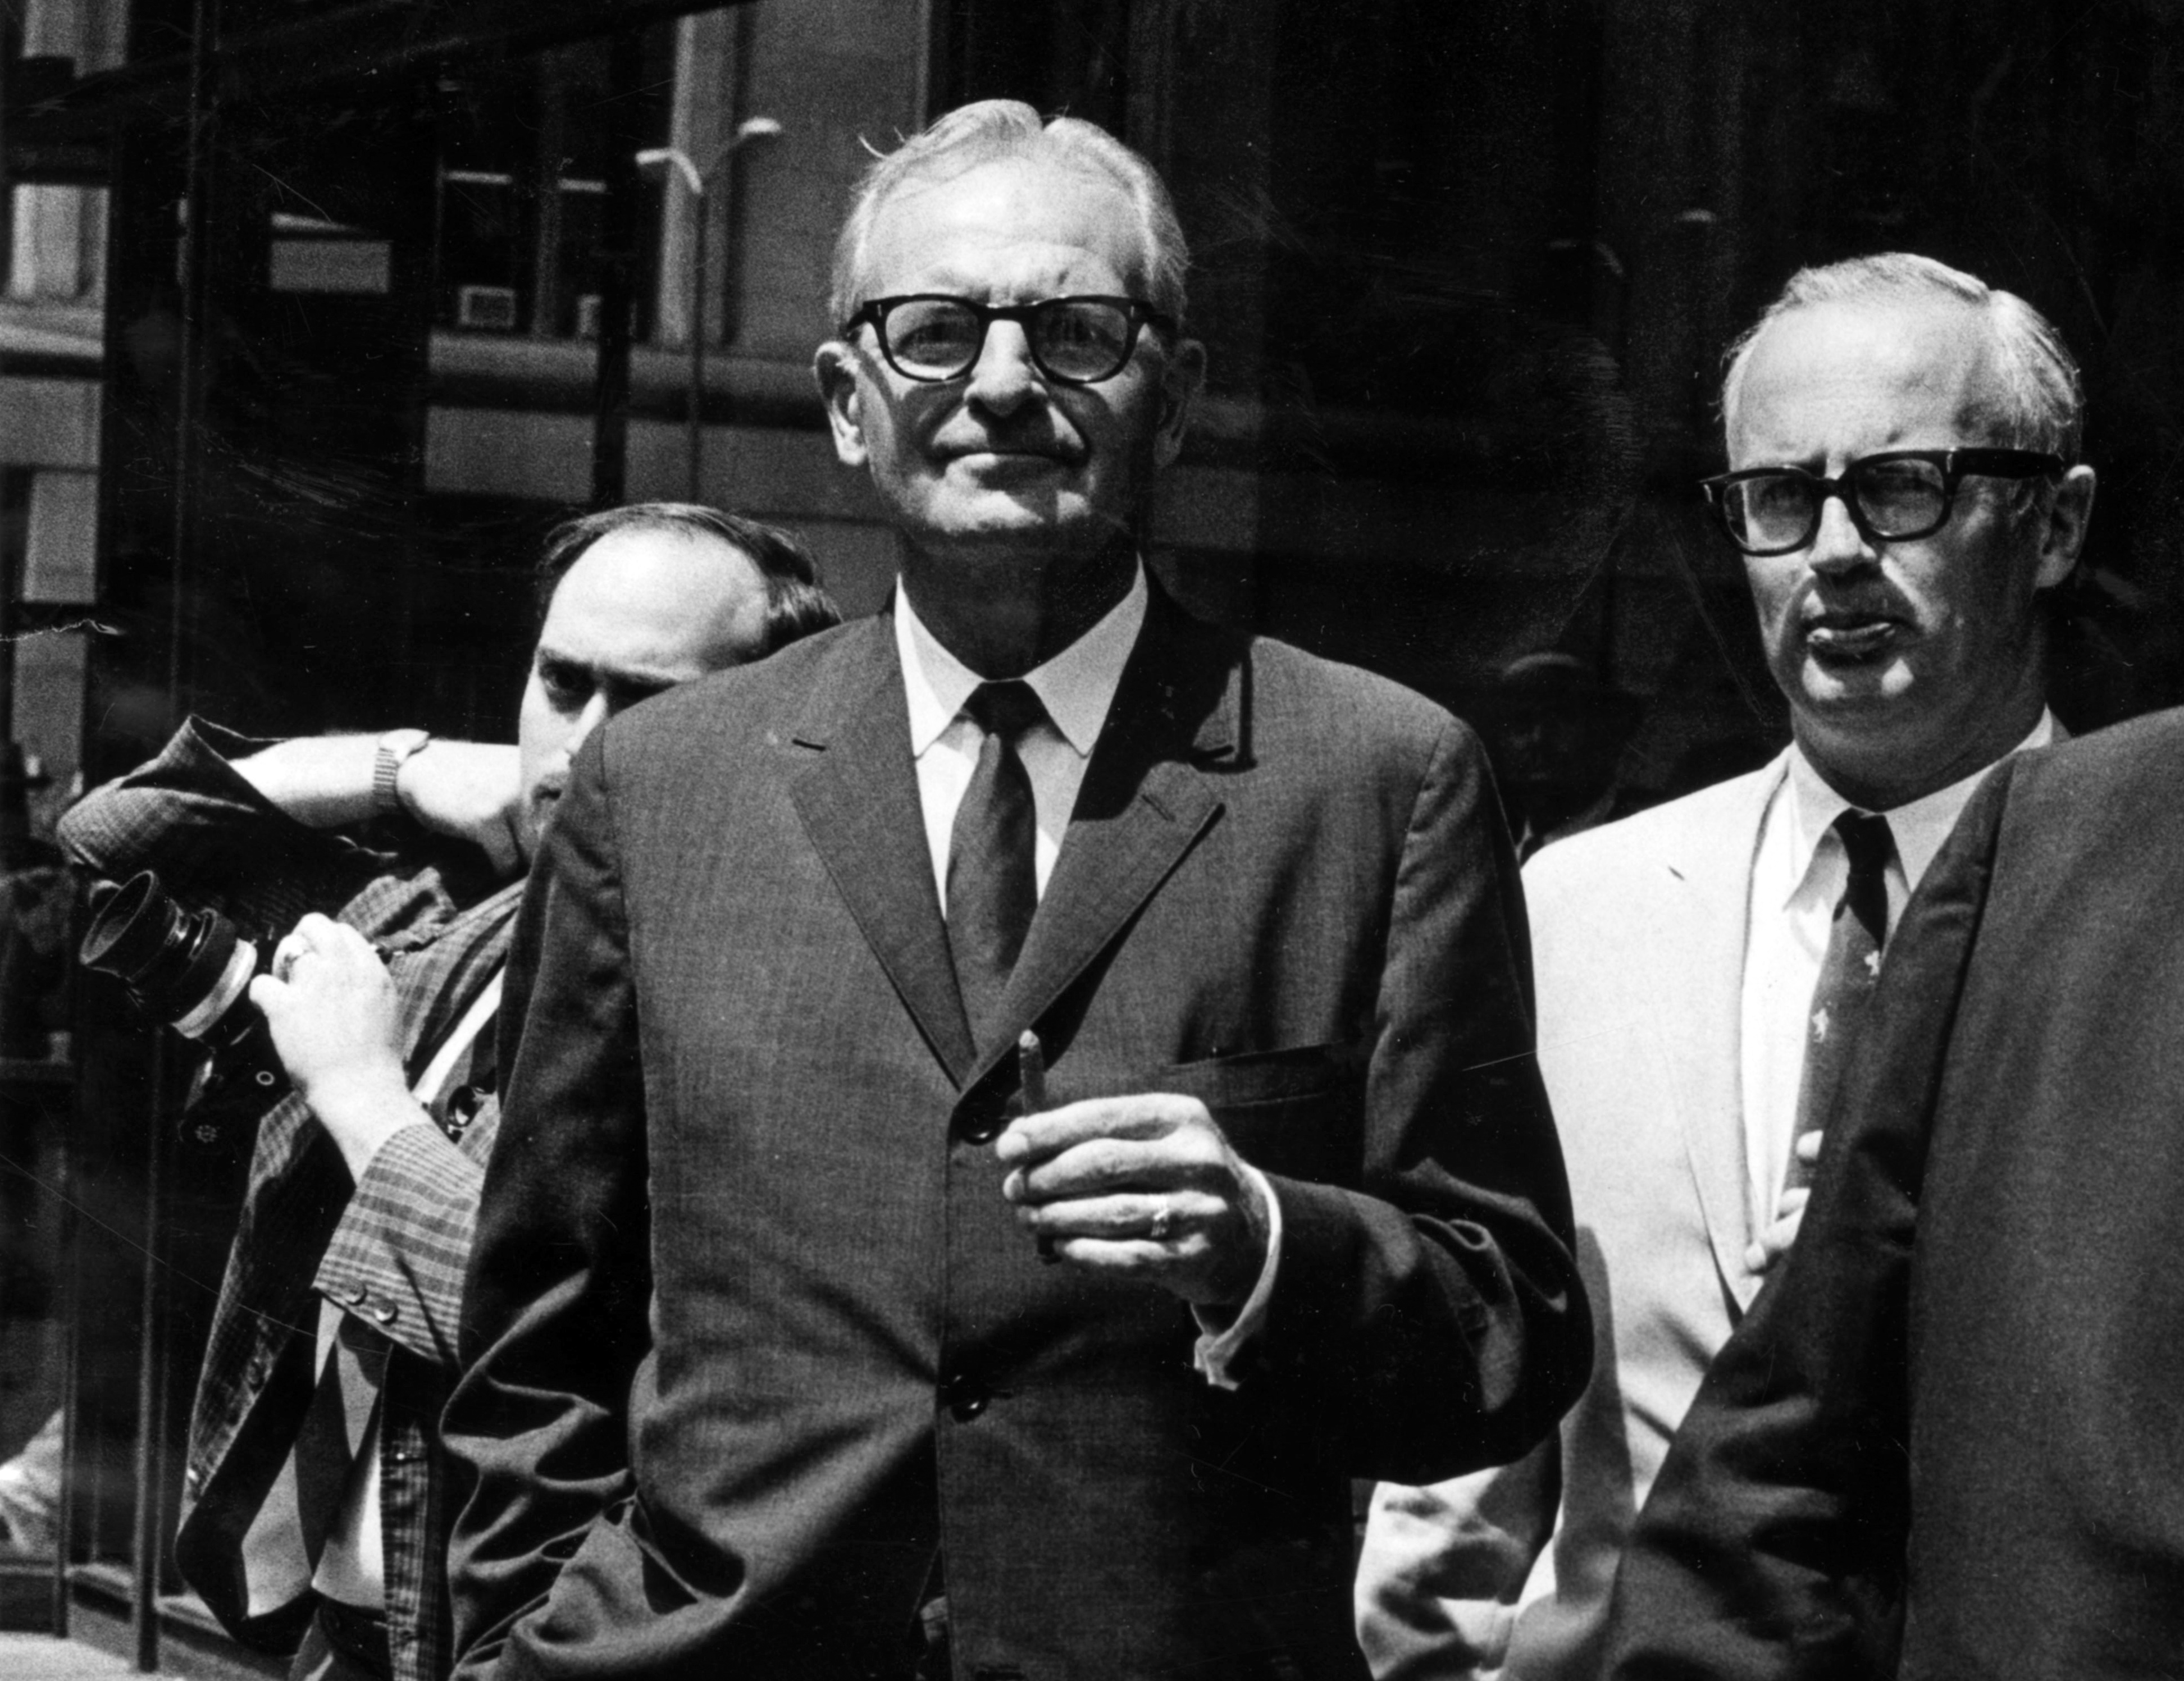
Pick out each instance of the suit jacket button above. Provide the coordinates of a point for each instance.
(965, 1397)
(983, 1116)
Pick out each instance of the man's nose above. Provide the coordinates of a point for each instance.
(1838, 545)
(1003, 376)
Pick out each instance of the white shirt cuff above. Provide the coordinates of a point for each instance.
(1217, 1348)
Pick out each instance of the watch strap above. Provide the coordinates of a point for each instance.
(396, 749)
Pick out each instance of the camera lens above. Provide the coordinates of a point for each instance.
(183, 969)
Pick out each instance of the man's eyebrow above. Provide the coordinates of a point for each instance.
(650, 682)
(565, 667)
(561, 666)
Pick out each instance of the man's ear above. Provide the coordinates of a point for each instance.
(835, 368)
(2064, 531)
(1181, 381)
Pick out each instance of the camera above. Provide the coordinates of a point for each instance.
(191, 972)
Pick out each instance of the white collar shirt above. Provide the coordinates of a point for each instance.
(1076, 687)
(1799, 873)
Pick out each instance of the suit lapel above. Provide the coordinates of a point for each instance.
(857, 798)
(1702, 1018)
(1145, 801)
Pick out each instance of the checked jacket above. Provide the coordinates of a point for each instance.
(391, 1251)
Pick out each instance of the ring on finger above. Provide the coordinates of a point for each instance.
(1163, 1217)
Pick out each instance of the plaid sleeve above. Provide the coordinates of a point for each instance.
(398, 1257)
(212, 838)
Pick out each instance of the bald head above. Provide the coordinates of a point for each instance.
(639, 610)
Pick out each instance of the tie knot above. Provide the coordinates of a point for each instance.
(1005, 709)
(1867, 841)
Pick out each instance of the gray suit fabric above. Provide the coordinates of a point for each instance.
(752, 1331)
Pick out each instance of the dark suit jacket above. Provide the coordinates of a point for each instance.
(1948, 1441)
(746, 1115)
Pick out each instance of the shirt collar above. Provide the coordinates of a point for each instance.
(1076, 686)
(1919, 827)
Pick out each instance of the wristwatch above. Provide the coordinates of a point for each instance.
(397, 748)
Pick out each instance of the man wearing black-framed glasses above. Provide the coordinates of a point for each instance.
(1901, 443)
(1056, 1073)
(935, 338)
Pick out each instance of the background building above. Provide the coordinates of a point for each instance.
(291, 380)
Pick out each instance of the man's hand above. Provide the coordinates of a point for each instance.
(470, 790)
(1773, 1244)
(1145, 1186)
(330, 1005)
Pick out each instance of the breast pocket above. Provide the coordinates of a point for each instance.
(1298, 1111)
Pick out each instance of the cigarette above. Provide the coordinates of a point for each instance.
(1031, 1071)
(1031, 1082)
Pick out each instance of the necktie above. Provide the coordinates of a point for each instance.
(992, 887)
(1848, 973)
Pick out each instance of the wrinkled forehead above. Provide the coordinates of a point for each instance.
(1004, 223)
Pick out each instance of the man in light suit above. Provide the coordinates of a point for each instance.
(798, 1348)
(1684, 994)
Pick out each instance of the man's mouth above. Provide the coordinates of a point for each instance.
(1028, 458)
(1853, 637)
(1007, 453)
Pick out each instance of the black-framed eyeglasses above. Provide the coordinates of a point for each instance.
(934, 338)
(1896, 495)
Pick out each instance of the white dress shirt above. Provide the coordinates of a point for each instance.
(1076, 686)
(1799, 873)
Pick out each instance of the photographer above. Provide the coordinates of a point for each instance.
(315, 1506)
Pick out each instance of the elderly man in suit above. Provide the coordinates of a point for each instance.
(315, 1503)
(1899, 435)
(816, 1329)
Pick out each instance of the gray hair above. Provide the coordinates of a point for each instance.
(2042, 403)
(996, 129)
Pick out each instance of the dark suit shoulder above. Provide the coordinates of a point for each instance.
(2125, 775)
(724, 709)
(1345, 708)
(2084, 833)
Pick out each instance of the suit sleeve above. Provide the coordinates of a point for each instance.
(403, 1242)
(555, 1310)
(212, 838)
(1773, 1543)
(1442, 1572)
(1435, 1310)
